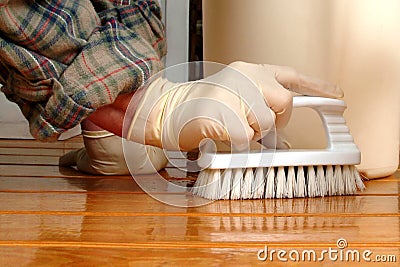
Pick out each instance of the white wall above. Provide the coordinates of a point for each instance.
(177, 30)
(12, 122)
(350, 43)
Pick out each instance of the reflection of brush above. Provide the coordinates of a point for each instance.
(267, 173)
(302, 212)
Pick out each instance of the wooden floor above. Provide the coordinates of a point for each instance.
(51, 216)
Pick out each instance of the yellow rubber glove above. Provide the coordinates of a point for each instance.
(242, 102)
(103, 154)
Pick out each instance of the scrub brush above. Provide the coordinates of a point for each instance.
(287, 173)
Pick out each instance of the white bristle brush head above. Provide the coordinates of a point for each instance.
(287, 173)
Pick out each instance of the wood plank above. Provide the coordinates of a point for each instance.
(189, 230)
(73, 143)
(51, 160)
(126, 256)
(384, 187)
(75, 185)
(168, 173)
(116, 204)
(51, 216)
(32, 152)
(29, 160)
(47, 172)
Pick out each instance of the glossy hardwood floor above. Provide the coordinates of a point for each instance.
(51, 216)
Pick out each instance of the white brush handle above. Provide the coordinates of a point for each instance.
(331, 112)
(341, 149)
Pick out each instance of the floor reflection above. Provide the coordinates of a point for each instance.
(281, 219)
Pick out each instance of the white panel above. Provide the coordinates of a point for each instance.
(177, 30)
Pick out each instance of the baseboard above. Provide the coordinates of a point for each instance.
(20, 130)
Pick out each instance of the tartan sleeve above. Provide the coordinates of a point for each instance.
(57, 90)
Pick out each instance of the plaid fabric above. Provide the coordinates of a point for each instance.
(62, 59)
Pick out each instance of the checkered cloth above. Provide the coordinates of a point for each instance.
(62, 59)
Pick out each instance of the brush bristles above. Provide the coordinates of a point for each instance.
(259, 183)
(237, 182)
(278, 182)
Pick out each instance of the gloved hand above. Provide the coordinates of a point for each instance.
(240, 103)
(103, 154)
